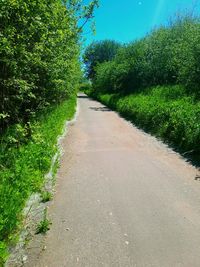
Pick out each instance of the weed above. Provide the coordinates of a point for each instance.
(44, 225)
(46, 196)
(3, 253)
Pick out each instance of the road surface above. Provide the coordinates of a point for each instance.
(122, 199)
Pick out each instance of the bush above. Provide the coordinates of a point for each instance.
(39, 57)
(166, 112)
(167, 56)
(24, 164)
(97, 53)
(85, 86)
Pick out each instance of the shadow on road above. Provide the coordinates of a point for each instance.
(103, 109)
(82, 96)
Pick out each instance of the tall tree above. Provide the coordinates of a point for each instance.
(39, 54)
(99, 52)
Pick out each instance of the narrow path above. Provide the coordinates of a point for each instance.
(123, 199)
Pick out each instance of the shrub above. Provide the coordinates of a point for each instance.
(24, 165)
(166, 112)
(167, 56)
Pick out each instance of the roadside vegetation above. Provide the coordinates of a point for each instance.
(25, 164)
(155, 83)
(39, 77)
(44, 225)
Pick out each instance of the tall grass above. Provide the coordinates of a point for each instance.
(24, 162)
(169, 55)
(167, 112)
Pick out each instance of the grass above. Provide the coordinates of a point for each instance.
(24, 163)
(44, 225)
(46, 196)
(166, 112)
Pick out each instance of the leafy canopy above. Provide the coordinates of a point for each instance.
(99, 52)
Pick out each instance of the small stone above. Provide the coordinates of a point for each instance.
(24, 259)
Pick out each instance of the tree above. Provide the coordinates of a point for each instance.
(39, 54)
(99, 52)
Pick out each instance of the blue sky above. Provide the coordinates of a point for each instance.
(127, 20)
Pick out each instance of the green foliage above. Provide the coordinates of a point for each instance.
(84, 86)
(39, 77)
(39, 55)
(46, 196)
(99, 52)
(166, 112)
(155, 82)
(24, 162)
(3, 253)
(167, 56)
(44, 225)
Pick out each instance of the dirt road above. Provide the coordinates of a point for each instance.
(123, 199)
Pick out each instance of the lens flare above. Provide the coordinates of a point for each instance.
(159, 8)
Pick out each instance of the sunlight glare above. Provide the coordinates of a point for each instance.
(159, 8)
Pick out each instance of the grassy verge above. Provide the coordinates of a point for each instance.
(167, 112)
(24, 162)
